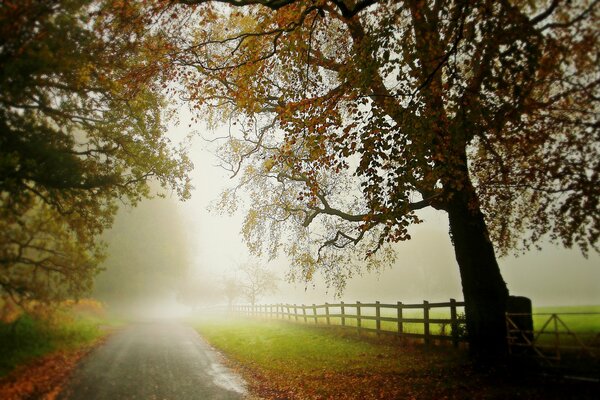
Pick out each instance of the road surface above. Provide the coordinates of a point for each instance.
(153, 361)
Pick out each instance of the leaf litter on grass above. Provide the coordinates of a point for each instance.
(44, 377)
(311, 363)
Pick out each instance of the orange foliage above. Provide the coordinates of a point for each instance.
(43, 378)
(9, 311)
(86, 308)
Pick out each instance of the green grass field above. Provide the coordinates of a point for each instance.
(284, 360)
(296, 361)
(581, 319)
(269, 345)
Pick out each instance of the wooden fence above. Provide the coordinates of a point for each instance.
(426, 321)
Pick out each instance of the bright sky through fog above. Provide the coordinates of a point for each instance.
(425, 267)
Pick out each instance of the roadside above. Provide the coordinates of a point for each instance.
(45, 377)
(40, 345)
(282, 360)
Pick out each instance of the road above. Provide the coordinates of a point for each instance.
(153, 361)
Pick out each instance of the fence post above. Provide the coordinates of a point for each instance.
(426, 321)
(453, 323)
(358, 320)
(342, 312)
(400, 324)
(314, 308)
(556, 336)
(378, 316)
(296, 312)
(289, 314)
(304, 313)
(327, 313)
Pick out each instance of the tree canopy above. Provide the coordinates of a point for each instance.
(347, 117)
(77, 135)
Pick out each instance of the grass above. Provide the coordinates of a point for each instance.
(272, 344)
(28, 338)
(578, 319)
(294, 361)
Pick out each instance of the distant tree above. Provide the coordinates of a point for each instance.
(232, 289)
(347, 117)
(257, 281)
(77, 135)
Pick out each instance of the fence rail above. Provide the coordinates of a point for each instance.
(426, 321)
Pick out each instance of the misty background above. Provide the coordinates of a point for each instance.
(165, 250)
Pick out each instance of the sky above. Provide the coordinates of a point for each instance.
(425, 268)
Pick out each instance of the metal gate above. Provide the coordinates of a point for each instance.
(555, 344)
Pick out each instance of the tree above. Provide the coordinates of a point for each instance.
(347, 117)
(258, 281)
(42, 258)
(78, 135)
(203, 290)
(232, 289)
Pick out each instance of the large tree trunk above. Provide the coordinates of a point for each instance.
(484, 290)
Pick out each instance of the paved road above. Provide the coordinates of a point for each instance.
(153, 361)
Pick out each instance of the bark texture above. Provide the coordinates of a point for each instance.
(484, 290)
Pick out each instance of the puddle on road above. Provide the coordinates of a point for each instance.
(224, 378)
(220, 374)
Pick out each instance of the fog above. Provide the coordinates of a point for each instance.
(184, 254)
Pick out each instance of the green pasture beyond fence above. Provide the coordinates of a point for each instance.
(427, 321)
(555, 328)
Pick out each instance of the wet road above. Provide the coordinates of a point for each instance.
(148, 361)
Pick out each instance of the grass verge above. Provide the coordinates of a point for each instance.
(287, 361)
(40, 347)
(28, 338)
